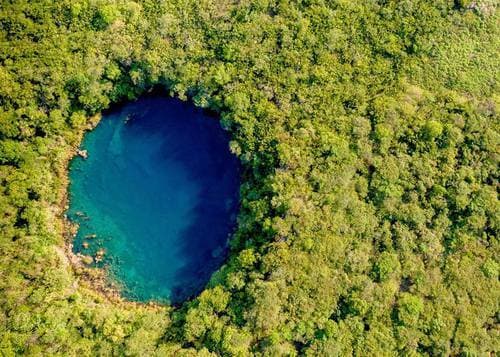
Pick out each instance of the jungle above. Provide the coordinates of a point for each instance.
(369, 138)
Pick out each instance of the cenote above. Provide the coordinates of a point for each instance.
(158, 193)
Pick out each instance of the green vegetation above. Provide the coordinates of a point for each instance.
(370, 137)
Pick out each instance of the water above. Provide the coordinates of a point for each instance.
(159, 190)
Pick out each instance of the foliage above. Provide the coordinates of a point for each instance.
(369, 134)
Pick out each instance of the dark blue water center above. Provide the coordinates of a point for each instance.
(159, 194)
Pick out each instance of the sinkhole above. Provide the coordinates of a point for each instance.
(155, 199)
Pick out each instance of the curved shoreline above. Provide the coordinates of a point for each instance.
(94, 279)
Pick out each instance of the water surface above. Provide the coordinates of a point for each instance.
(159, 194)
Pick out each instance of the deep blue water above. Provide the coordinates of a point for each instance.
(159, 189)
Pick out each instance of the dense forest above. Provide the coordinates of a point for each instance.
(369, 134)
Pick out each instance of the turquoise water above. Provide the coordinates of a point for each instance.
(159, 190)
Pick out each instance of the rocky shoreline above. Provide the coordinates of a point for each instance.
(92, 278)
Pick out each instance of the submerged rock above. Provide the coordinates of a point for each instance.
(99, 255)
(86, 259)
(82, 153)
(81, 215)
